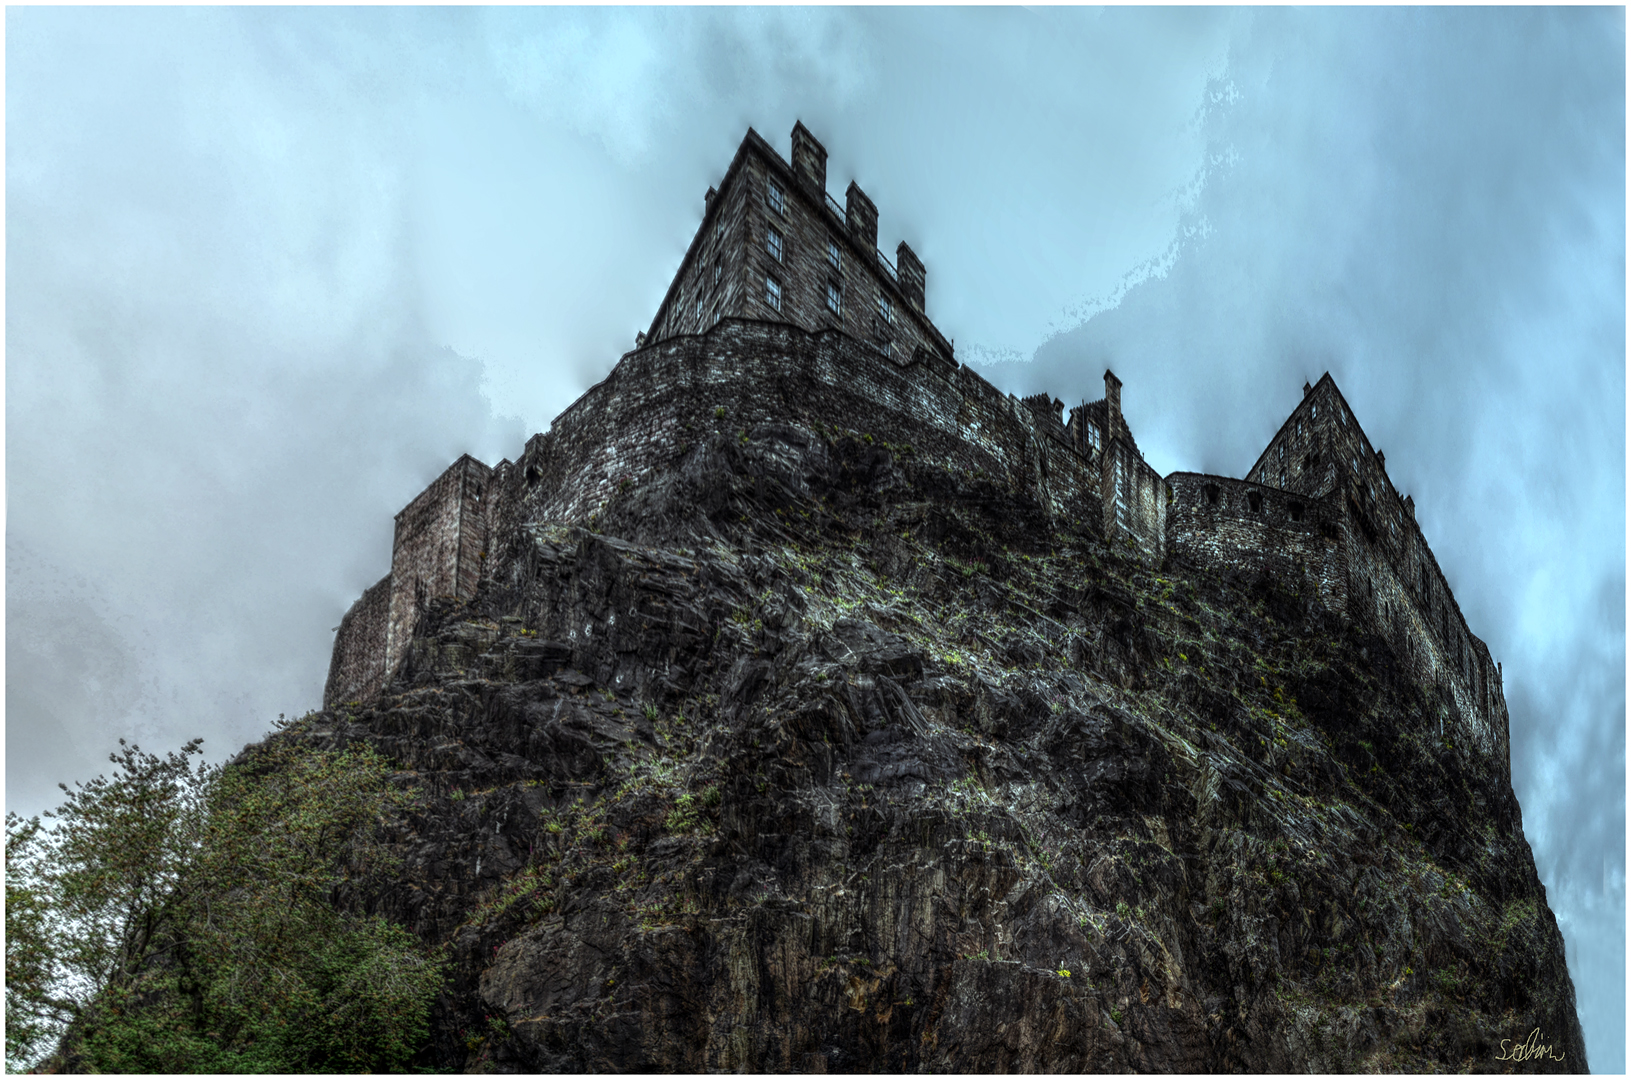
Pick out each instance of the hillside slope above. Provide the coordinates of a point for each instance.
(807, 755)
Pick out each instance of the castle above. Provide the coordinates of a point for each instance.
(783, 309)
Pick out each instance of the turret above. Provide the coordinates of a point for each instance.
(862, 215)
(809, 161)
(1112, 405)
(913, 278)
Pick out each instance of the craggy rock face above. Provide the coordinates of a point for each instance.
(810, 757)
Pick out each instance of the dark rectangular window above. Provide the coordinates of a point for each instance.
(834, 256)
(773, 196)
(773, 292)
(773, 244)
(886, 310)
(835, 298)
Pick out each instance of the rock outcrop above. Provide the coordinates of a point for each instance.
(812, 755)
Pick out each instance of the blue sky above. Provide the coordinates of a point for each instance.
(270, 270)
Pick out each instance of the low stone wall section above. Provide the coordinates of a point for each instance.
(356, 671)
(1228, 525)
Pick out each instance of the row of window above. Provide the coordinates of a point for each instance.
(776, 248)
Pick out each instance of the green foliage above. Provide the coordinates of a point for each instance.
(32, 1012)
(181, 919)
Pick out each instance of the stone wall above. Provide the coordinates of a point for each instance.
(1229, 525)
(1396, 582)
(667, 395)
(1458, 665)
(438, 550)
(356, 671)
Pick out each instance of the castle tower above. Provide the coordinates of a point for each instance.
(438, 550)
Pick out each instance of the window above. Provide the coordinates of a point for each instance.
(1211, 493)
(1316, 411)
(773, 196)
(773, 292)
(773, 244)
(699, 309)
(834, 256)
(719, 271)
(1296, 511)
(887, 348)
(886, 310)
(1254, 499)
(835, 298)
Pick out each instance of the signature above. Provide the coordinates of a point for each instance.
(1527, 1050)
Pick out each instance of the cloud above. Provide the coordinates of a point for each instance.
(219, 390)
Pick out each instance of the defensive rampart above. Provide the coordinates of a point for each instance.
(660, 399)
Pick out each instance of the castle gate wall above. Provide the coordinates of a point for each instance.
(356, 671)
(1214, 524)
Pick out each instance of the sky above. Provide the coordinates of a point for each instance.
(269, 271)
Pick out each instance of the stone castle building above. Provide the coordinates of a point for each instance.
(783, 309)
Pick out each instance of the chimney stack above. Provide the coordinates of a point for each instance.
(809, 161)
(913, 278)
(1112, 405)
(1306, 389)
(1410, 505)
(708, 201)
(1381, 461)
(862, 215)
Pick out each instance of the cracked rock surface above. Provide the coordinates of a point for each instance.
(807, 756)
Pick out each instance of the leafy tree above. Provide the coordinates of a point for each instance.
(188, 919)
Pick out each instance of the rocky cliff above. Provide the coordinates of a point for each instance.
(807, 754)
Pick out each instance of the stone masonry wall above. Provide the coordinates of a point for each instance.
(356, 671)
(438, 550)
(742, 373)
(1134, 500)
(1395, 580)
(1215, 523)
(1460, 667)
